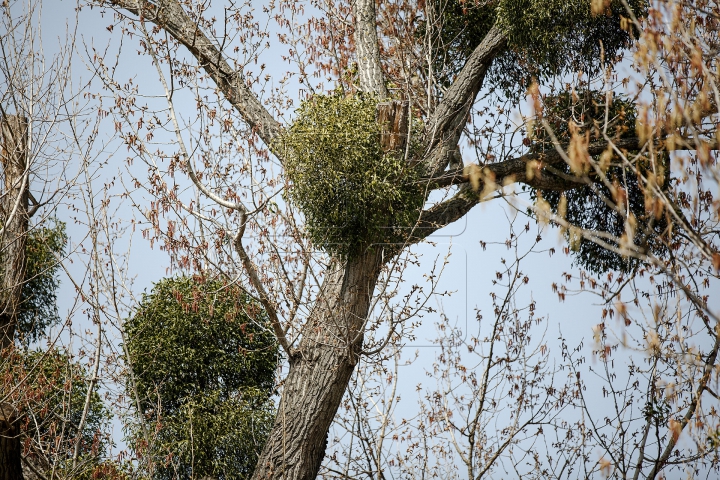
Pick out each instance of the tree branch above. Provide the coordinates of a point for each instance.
(674, 435)
(262, 293)
(516, 170)
(444, 214)
(445, 126)
(518, 167)
(169, 15)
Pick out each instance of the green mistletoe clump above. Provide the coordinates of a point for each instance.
(352, 193)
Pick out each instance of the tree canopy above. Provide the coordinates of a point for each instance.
(545, 38)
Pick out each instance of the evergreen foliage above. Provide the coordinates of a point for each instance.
(38, 304)
(351, 192)
(546, 38)
(587, 206)
(204, 361)
(50, 386)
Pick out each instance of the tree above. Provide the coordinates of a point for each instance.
(15, 221)
(33, 103)
(204, 362)
(33, 310)
(319, 303)
(62, 421)
(671, 242)
(15, 224)
(38, 297)
(493, 390)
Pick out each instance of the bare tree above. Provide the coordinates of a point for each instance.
(494, 390)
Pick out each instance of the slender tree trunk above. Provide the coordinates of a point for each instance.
(14, 219)
(10, 446)
(320, 372)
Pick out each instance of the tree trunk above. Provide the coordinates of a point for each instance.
(320, 372)
(14, 219)
(10, 446)
(366, 48)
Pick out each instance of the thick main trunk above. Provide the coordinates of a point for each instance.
(320, 373)
(14, 224)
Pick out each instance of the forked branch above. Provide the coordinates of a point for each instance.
(446, 124)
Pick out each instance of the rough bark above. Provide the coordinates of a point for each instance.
(367, 49)
(320, 371)
(321, 367)
(14, 219)
(393, 118)
(332, 339)
(445, 126)
(517, 170)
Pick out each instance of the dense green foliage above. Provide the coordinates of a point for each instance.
(351, 192)
(546, 38)
(52, 397)
(204, 361)
(585, 109)
(38, 305)
(589, 207)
